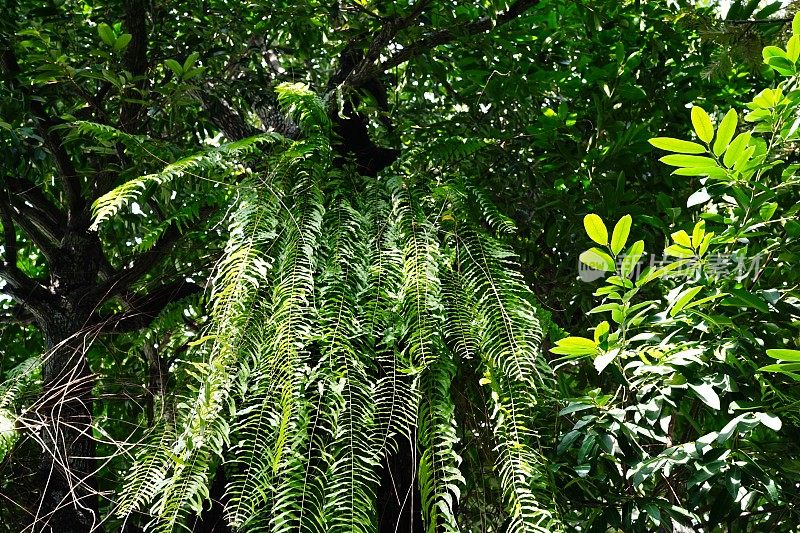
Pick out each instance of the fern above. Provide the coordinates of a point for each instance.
(221, 159)
(340, 312)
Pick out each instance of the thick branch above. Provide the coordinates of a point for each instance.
(9, 233)
(18, 285)
(66, 171)
(45, 211)
(439, 38)
(17, 315)
(144, 309)
(26, 220)
(44, 124)
(364, 69)
(135, 59)
(120, 281)
(225, 117)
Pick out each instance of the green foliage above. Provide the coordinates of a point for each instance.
(696, 427)
(317, 290)
(342, 320)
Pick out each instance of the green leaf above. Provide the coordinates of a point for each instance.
(677, 145)
(122, 41)
(632, 258)
(595, 229)
(694, 161)
(678, 251)
(725, 132)
(601, 329)
(698, 233)
(707, 299)
(793, 48)
(620, 234)
(574, 407)
(781, 65)
(784, 354)
(705, 244)
(785, 369)
(771, 421)
(190, 61)
(174, 66)
(575, 346)
(698, 198)
(796, 23)
(605, 359)
(598, 260)
(768, 52)
(702, 125)
(706, 392)
(712, 172)
(682, 238)
(743, 298)
(767, 210)
(683, 299)
(106, 33)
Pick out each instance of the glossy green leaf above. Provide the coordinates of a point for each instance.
(174, 66)
(743, 298)
(632, 257)
(575, 346)
(620, 234)
(675, 250)
(702, 126)
(725, 132)
(693, 161)
(683, 299)
(784, 354)
(707, 394)
(595, 229)
(735, 149)
(598, 260)
(677, 145)
(793, 48)
(122, 41)
(106, 33)
(600, 330)
(605, 359)
(682, 238)
(712, 172)
(698, 233)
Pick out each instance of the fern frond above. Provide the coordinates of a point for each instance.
(440, 479)
(507, 339)
(220, 160)
(152, 463)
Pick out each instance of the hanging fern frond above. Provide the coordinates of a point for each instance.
(507, 340)
(439, 474)
(220, 160)
(152, 462)
(341, 311)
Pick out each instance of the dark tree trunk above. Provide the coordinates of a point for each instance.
(399, 508)
(67, 478)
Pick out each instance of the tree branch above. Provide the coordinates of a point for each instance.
(18, 285)
(135, 59)
(17, 315)
(365, 69)
(224, 116)
(44, 124)
(26, 220)
(45, 211)
(144, 309)
(441, 37)
(121, 280)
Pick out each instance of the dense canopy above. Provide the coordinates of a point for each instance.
(356, 265)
